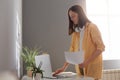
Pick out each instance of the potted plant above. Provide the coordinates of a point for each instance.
(37, 72)
(28, 56)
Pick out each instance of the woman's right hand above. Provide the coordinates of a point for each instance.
(58, 71)
(61, 69)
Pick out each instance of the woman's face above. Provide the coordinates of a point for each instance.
(73, 17)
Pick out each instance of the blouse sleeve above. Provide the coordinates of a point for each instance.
(96, 38)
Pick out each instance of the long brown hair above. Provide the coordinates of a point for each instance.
(82, 18)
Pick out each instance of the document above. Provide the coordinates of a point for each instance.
(66, 75)
(74, 57)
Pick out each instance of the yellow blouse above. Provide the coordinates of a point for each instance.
(92, 41)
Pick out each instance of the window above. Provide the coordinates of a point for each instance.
(106, 15)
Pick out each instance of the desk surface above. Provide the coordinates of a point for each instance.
(74, 78)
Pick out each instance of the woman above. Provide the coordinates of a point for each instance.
(86, 37)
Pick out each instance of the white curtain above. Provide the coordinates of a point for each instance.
(106, 15)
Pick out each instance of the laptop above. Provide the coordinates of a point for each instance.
(46, 67)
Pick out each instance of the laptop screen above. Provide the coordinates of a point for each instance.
(46, 64)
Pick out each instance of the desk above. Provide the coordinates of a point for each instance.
(75, 78)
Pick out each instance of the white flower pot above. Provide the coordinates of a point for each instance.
(37, 77)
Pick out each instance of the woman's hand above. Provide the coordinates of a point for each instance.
(58, 71)
(91, 58)
(84, 64)
(61, 69)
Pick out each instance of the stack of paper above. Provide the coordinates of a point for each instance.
(66, 75)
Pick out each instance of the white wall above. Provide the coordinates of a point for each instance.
(8, 35)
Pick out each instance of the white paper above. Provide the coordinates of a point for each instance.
(66, 75)
(74, 57)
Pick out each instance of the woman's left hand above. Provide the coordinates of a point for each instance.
(82, 65)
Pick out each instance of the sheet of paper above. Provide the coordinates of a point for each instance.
(74, 57)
